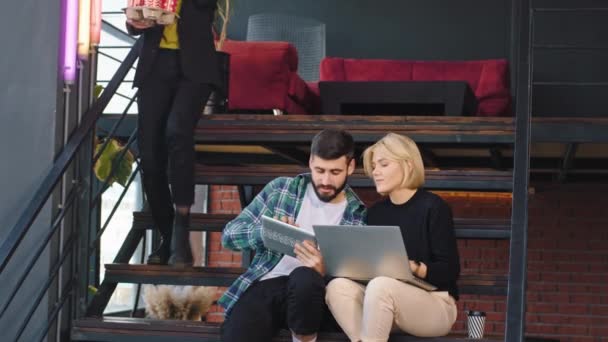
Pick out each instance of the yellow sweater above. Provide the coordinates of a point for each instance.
(170, 39)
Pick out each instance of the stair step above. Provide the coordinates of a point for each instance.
(198, 221)
(112, 329)
(490, 180)
(162, 274)
(474, 228)
(481, 284)
(465, 228)
(366, 129)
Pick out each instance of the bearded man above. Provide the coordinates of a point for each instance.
(278, 291)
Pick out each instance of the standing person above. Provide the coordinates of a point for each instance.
(176, 73)
(279, 291)
(370, 313)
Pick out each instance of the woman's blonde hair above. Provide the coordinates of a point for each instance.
(402, 150)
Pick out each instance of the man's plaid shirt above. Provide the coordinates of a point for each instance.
(281, 197)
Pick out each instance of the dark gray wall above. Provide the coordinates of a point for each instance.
(417, 29)
(467, 29)
(569, 58)
(28, 97)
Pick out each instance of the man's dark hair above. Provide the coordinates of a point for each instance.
(331, 144)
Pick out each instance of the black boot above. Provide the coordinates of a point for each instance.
(160, 256)
(181, 255)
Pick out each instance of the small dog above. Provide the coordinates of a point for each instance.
(178, 302)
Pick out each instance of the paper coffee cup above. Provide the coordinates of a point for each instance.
(476, 321)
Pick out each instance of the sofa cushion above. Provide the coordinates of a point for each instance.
(487, 78)
(260, 74)
(287, 51)
(448, 71)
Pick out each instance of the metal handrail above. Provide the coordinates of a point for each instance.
(69, 152)
(115, 127)
(67, 156)
(106, 183)
(93, 244)
(56, 224)
(116, 32)
(55, 270)
(112, 57)
(57, 308)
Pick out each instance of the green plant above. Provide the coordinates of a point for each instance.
(92, 290)
(109, 159)
(97, 91)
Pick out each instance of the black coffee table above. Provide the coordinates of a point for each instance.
(451, 98)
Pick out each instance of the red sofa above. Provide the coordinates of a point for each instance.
(489, 79)
(263, 77)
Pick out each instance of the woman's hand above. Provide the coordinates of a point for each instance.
(310, 256)
(418, 268)
(414, 266)
(140, 24)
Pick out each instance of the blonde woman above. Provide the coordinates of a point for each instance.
(370, 312)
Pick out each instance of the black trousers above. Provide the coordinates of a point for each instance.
(170, 106)
(295, 302)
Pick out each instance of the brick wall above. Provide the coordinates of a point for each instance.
(568, 263)
(222, 200)
(567, 295)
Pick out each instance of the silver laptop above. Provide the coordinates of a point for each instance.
(366, 252)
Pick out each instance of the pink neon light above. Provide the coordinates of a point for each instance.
(70, 40)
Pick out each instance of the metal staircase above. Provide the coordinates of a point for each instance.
(264, 147)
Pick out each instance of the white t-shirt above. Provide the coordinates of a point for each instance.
(313, 212)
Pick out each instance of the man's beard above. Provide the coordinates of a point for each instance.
(329, 198)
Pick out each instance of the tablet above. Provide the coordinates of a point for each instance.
(281, 237)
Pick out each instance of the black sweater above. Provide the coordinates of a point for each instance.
(428, 233)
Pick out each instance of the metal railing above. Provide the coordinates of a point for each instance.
(81, 196)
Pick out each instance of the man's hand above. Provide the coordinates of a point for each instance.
(140, 24)
(306, 252)
(310, 256)
(289, 220)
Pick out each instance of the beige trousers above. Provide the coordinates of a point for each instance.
(369, 313)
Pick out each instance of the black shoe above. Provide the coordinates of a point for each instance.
(160, 256)
(181, 255)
